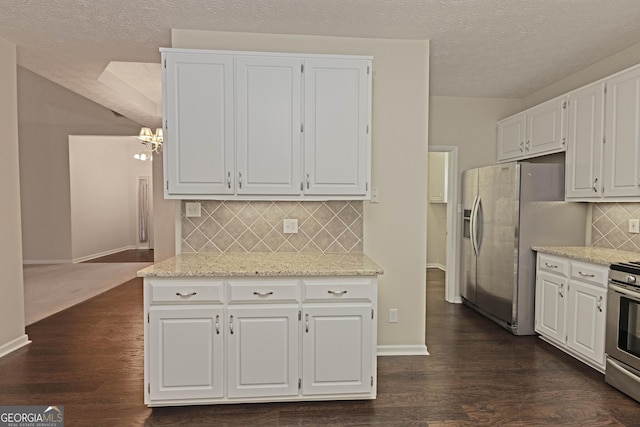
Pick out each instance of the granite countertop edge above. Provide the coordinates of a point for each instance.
(263, 265)
(595, 255)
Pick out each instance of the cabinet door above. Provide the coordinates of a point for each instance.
(186, 352)
(336, 120)
(622, 131)
(337, 349)
(511, 134)
(262, 351)
(550, 306)
(584, 146)
(268, 125)
(546, 128)
(199, 136)
(586, 316)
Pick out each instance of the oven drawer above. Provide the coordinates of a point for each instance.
(553, 264)
(623, 377)
(589, 273)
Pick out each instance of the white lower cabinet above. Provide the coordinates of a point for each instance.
(262, 351)
(211, 341)
(571, 307)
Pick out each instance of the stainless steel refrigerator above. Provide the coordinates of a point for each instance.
(508, 208)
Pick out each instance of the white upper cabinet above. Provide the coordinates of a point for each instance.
(266, 126)
(537, 131)
(511, 134)
(199, 126)
(584, 143)
(622, 136)
(268, 106)
(336, 120)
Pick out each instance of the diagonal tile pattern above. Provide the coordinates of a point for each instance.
(610, 226)
(230, 226)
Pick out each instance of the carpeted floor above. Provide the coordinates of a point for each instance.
(49, 289)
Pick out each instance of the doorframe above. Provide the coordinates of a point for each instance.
(451, 293)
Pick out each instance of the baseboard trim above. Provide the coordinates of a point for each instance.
(46, 261)
(402, 350)
(13, 345)
(436, 265)
(105, 253)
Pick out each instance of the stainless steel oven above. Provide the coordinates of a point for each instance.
(623, 329)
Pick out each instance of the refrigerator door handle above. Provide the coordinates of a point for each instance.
(473, 223)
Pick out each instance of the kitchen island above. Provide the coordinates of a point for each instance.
(259, 327)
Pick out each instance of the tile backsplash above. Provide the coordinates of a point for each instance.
(230, 226)
(610, 226)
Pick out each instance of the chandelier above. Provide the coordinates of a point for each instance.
(152, 143)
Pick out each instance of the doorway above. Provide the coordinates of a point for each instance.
(449, 244)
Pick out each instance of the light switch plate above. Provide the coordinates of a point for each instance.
(193, 210)
(290, 226)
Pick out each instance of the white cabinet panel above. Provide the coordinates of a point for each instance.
(262, 351)
(622, 131)
(199, 135)
(584, 147)
(511, 134)
(336, 126)
(550, 305)
(268, 102)
(186, 352)
(546, 127)
(337, 350)
(586, 317)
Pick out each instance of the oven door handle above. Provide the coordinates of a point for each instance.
(622, 370)
(627, 293)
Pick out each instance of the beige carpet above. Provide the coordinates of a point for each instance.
(49, 289)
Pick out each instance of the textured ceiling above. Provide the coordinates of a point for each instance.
(479, 48)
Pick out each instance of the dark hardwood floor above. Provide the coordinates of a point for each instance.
(130, 255)
(89, 358)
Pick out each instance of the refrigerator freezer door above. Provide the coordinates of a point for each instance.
(469, 194)
(498, 189)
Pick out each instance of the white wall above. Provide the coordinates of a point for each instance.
(610, 65)
(103, 183)
(12, 332)
(47, 115)
(470, 124)
(394, 229)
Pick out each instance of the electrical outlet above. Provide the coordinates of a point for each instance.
(375, 196)
(193, 210)
(290, 226)
(634, 226)
(393, 315)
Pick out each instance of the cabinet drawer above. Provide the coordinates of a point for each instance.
(589, 273)
(553, 264)
(264, 290)
(338, 290)
(186, 290)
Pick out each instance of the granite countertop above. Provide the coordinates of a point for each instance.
(263, 265)
(602, 256)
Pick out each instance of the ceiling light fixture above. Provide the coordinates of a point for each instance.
(152, 143)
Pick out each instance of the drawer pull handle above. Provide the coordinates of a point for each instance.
(263, 294)
(306, 323)
(599, 304)
(217, 324)
(338, 293)
(551, 265)
(231, 324)
(561, 290)
(586, 274)
(186, 294)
